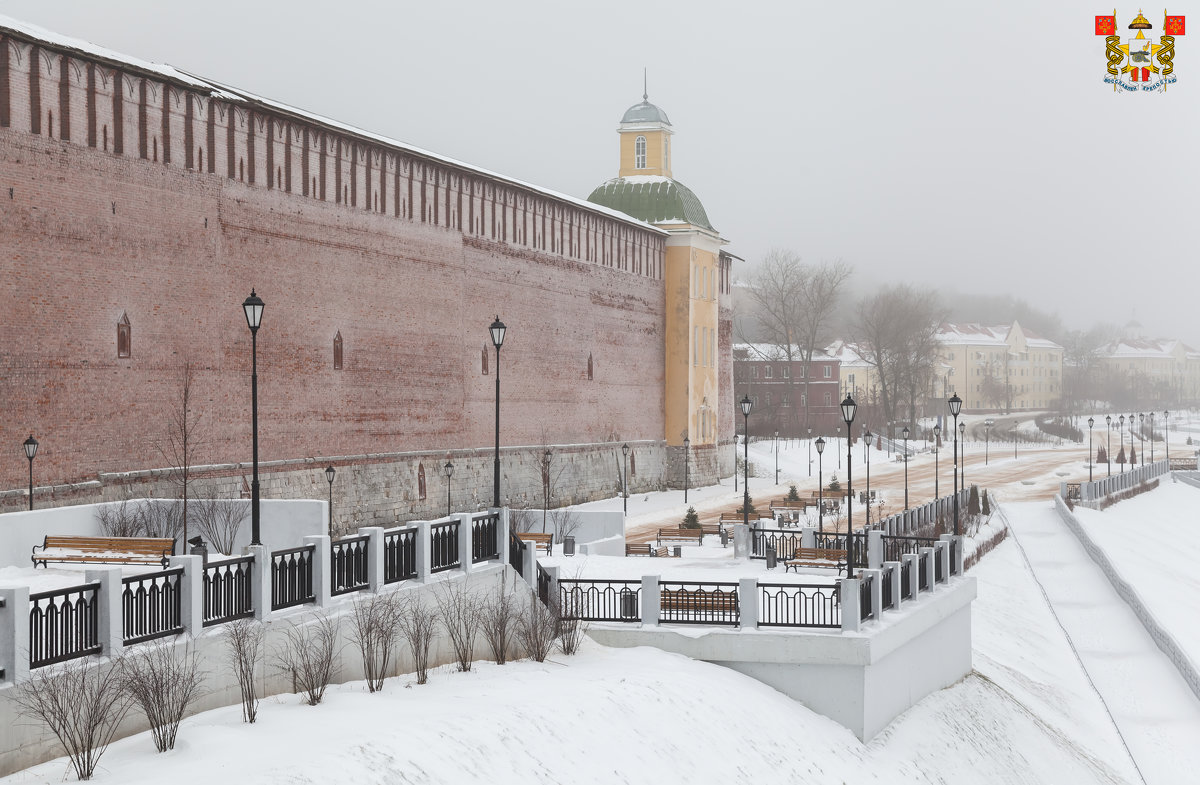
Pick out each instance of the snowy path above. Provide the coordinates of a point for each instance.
(1151, 705)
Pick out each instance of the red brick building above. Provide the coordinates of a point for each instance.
(141, 205)
(779, 391)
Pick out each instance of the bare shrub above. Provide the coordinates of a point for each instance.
(461, 612)
(244, 641)
(536, 629)
(162, 518)
(81, 705)
(500, 616)
(984, 548)
(125, 518)
(565, 521)
(570, 627)
(309, 652)
(220, 520)
(376, 629)
(521, 519)
(162, 680)
(418, 624)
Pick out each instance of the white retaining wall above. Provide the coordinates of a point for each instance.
(1092, 492)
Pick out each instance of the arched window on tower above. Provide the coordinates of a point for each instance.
(639, 153)
(337, 351)
(124, 337)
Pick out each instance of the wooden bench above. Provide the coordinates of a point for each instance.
(103, 550)
(696, 602)
(639, 549)
(817, 557)
(539, 540)
(690, 536)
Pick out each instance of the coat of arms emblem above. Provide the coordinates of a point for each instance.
(1139, 63)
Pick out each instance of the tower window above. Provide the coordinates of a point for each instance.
(639, 153)
(124, 337)
(337, 351)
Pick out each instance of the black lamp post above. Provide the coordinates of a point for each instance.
(1142, 435)
(987, 433)
(253, 307)
(1108, 449)
(497, 329)
(687, 443)
(905, 434)
(937, 437)
(1121, 439)
(868, 439)
(625, 480)
(1167, 437)
(1091, 422)
(962, 469)
(955, 404)
(777, 457)
(849, 407)
(329, 473)
(820, 488)
(746, 406)
(449, 471)
(1151, 437)
(809, 454)
(839, 452)
(31, 446)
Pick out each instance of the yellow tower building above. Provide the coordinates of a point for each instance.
(698, 387)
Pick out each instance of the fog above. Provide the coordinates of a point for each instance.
(970, 147)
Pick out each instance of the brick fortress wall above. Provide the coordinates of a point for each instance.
(129, 195)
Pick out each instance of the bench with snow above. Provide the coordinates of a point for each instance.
(680, 534)
(645, 549)
(539, 540)
(691, 601)
(103, 550)
(817, 557)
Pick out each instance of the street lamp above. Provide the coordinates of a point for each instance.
(686, 444)
(497, 329)
(1091, 422)
(746, 406)
(1167, 437)
(625, 480)
(849, 407)
(868, 438)
(1108, 448)
(777, 458)
(449, 470)
(329, 472)
(1121, 438)
(987, 432)
(820, 488)
(937, 438)
(839, 452)
(1151, 437)
(253, 307)
(962, 430)
(905, 434)
(955, 404)
(809, 454)
(31, 446)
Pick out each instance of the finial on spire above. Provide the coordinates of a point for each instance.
(645, 90)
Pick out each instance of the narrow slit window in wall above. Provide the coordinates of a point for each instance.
(337, 351)
(632, 464)
(589, 367)
(124, 337)
(485, 361)
(421, 481)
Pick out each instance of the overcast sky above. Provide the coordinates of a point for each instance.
(961, 146)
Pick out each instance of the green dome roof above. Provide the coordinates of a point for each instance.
(645, 112)
(654, 200)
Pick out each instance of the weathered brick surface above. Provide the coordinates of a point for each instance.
(408, 260)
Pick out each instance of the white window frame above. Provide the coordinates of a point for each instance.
(639, 153)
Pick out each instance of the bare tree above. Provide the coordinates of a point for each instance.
(565, 521)
(522, 519)
(244, 640)
(537, 628)
(163, 680)
(309, 652)
(81, 705)
(220, 520)
(183, 438)
(461, 612)
(126, 518)
(376, 629)
(162, 518)
(499, 623)
(571, 628)
(418, 624)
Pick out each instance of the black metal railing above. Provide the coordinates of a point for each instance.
(443, 546)
(906, 580)
(543, 584)
(600, 600)
(64, 624)
(516, 554)
(858, 549)
(895, 546)
(399, 555)
(888, 576)
(292, 576)
(699, 603)
(227, 590)
(348, 561)
(150, 605)
(939, 570)
(1074, 491)
(866, 608)
(799, 605)
(923, 575)
(785, 543)
(485, 540)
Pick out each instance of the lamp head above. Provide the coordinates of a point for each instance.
(449, 469)
(497, 329)
(31, 445)
(746, 405)
(955, 404)
(253, 306)
(849, 409)
(625, 449)
(820, 445)
(1091, 422)
(329, 472)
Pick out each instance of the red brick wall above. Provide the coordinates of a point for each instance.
(88, 235)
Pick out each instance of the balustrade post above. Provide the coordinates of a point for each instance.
(955, 560)
(942, 553)
(14, 634)
(848, 598)
(741, 541)
(913, 561)
(502, 534)
(260, 581)
(466, 541)
(808, 539)
(876, 593)
(322, 569)
(894, 580)
(874, 549)
(529, 564)
(927, 556)
(375, 557)
(424, 552)
(552, 593)
(191, 593)
(651, 599)
(110, 617)
(748, 603)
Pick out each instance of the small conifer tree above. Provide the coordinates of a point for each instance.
(987, 504)
(751, 510)
(834, 485)
(691, 520)
(973, 501)
(793, 494)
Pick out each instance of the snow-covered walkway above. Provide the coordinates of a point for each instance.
(1152, 706)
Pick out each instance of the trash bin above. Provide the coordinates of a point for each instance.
(199, 548)
(677, 551)
(770, 558)
(568, 546)
(629, 604)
